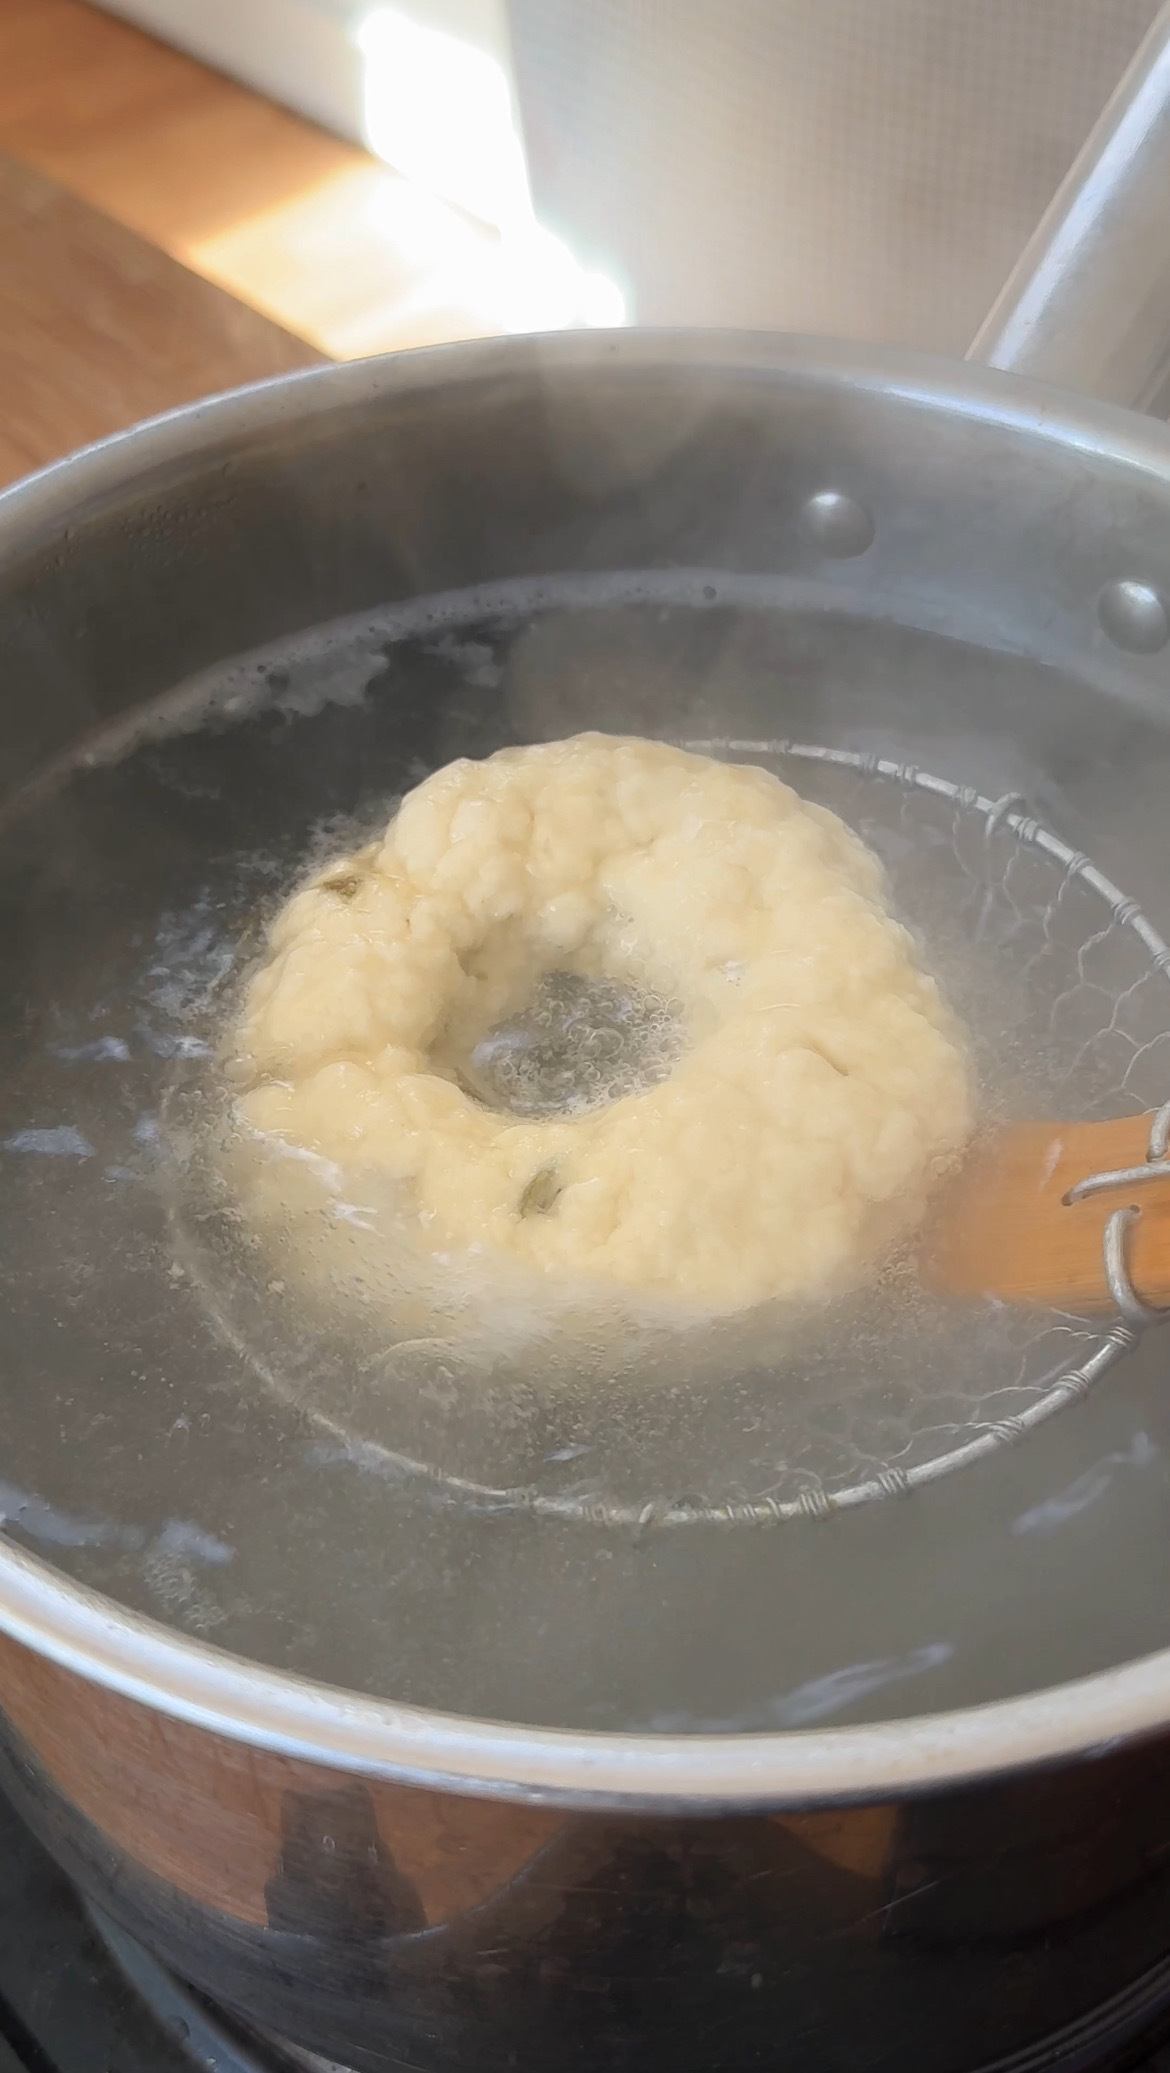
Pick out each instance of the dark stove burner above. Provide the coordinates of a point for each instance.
(78, 1996)
(208, 2037)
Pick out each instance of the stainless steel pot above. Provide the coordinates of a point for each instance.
(407, 1885)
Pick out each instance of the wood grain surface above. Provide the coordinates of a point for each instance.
(99, 329)
(146, 134)
(315, 233)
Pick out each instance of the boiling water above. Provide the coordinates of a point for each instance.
(518, 1391)
(466, 1516)
(578, 1044)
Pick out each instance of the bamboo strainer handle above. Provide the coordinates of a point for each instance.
(1062, 1215)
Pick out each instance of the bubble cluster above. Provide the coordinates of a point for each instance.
(578, 1044)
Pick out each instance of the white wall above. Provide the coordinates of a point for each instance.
(298, 51)
(426, 84)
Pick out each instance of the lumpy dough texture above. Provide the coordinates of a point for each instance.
(821, 1086)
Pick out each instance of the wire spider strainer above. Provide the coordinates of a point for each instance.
(1064, 986)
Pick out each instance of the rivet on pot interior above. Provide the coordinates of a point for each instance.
(1134, 616)
(840, 525)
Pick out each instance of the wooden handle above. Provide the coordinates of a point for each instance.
(1002, 1226)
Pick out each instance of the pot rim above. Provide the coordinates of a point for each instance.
(91, 1635)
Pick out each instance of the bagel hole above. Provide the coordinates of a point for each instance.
(576, 1044)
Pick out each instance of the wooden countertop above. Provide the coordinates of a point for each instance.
(99, 329)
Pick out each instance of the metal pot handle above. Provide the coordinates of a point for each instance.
(1087, 304)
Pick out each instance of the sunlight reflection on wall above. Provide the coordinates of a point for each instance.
(438, 107)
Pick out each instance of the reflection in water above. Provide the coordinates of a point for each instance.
(820, 1696)
(1054, 1512)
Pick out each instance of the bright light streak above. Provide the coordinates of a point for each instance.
(439, 109)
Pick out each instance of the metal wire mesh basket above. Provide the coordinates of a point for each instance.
(1064, 987)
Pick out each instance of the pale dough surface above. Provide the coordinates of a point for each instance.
(822, 1088)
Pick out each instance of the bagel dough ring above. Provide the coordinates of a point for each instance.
(822, 1088)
